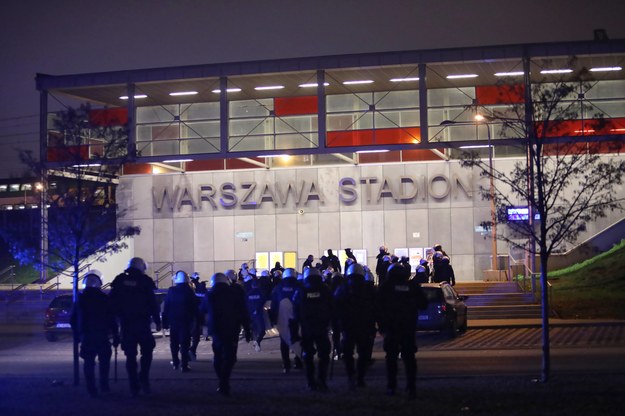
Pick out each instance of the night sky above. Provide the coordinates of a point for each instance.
(78, 36)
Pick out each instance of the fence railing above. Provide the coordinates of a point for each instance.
(166, 270)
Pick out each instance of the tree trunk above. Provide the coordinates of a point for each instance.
(75, 341)
(546, 360)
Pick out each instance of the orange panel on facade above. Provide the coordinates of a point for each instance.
(500, 94)
(137, 168)
(68, 153)
(397, 135)
(109, 117)
(420, 155)
(198, 165)
(293, 106)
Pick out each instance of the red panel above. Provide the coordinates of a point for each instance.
(397, 135)
(419, 155)
(68, 153)
(109, 117)
(500, 94)
(197, 165)
(137, 168)
(289, 106)
(590, 127)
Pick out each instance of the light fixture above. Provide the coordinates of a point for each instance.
(87, 165)
(180, 93)
(177, 160)
(606, 69)
(217, 91)
(459, 76)
(557, 71)
(404, 79)
(356, 82)
(269, 87)
(268, 156)
(475, 146)
(373, 151)
(312, 85)
(138, 96)
(509, 74)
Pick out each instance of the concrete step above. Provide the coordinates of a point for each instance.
(492, 299)
(468, 288)
(505, 312)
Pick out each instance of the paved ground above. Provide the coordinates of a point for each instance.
(42, 384)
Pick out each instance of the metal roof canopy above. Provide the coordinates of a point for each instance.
(106, 87)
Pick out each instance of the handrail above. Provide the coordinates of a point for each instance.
(52, 286)
(10, 271)
(157, 273)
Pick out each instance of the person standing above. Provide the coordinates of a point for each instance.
(256, 298)
(313, 310)
(308, 262)
(226, 313)
(334, 261)
(282, 316)
(134, 303)
(93, 323)
(398, 302)
(196, 331)
(180, 310)
(355, 310)
(382, 263)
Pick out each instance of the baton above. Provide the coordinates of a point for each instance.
(115, 364)
(332, 356)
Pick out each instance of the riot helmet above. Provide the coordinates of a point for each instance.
(181, 277)
(355, 269)
(289, 273)
(93, 278)
(138, 263)
(219, 278)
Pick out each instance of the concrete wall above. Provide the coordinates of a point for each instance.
(197, 224)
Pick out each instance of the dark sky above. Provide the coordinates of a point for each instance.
(77, 36)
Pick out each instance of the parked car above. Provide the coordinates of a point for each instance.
(446, 310)
(57, 315)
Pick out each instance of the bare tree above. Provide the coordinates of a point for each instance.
(86, 149)
(569, 178)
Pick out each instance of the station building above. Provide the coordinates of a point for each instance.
(273, 160)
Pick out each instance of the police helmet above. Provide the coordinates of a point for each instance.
(231, 275)
(195, 276)
(181, 277)
(355, 269)
(219, 278)
(398, 271)
(252, 271)
(93, 278)
(289, 273)
(264, 273)
(445, 260)
(311, 272)
(138, 263)
(437, 256)
(423, 262)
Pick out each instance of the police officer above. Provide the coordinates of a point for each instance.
(334, 261)
(313, 309)
(180, 310)
(198, 322)
(134, 302)
(282, 316)
(398, 300)
(226, 313)
(256, 297)
(422, 272)
(93, 322)
(355, 309)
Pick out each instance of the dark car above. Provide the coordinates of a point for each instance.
(57, 316)
(446, 310)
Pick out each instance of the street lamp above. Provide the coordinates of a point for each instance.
(493, 214)
(480, 119)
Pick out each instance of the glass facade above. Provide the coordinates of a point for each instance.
(368, 106)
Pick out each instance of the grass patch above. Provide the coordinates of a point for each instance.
(594, 288)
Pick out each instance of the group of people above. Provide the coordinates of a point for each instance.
(320, 312)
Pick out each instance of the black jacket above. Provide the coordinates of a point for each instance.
(226, 312)
(313, 307)
(92, 319)
(180, 306)
(132, 295)
(355, 306)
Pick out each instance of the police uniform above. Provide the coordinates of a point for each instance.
(398, 301)
(283, 317)
(93, 323)
(134, 302)
(180, 310)
(313, 310)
